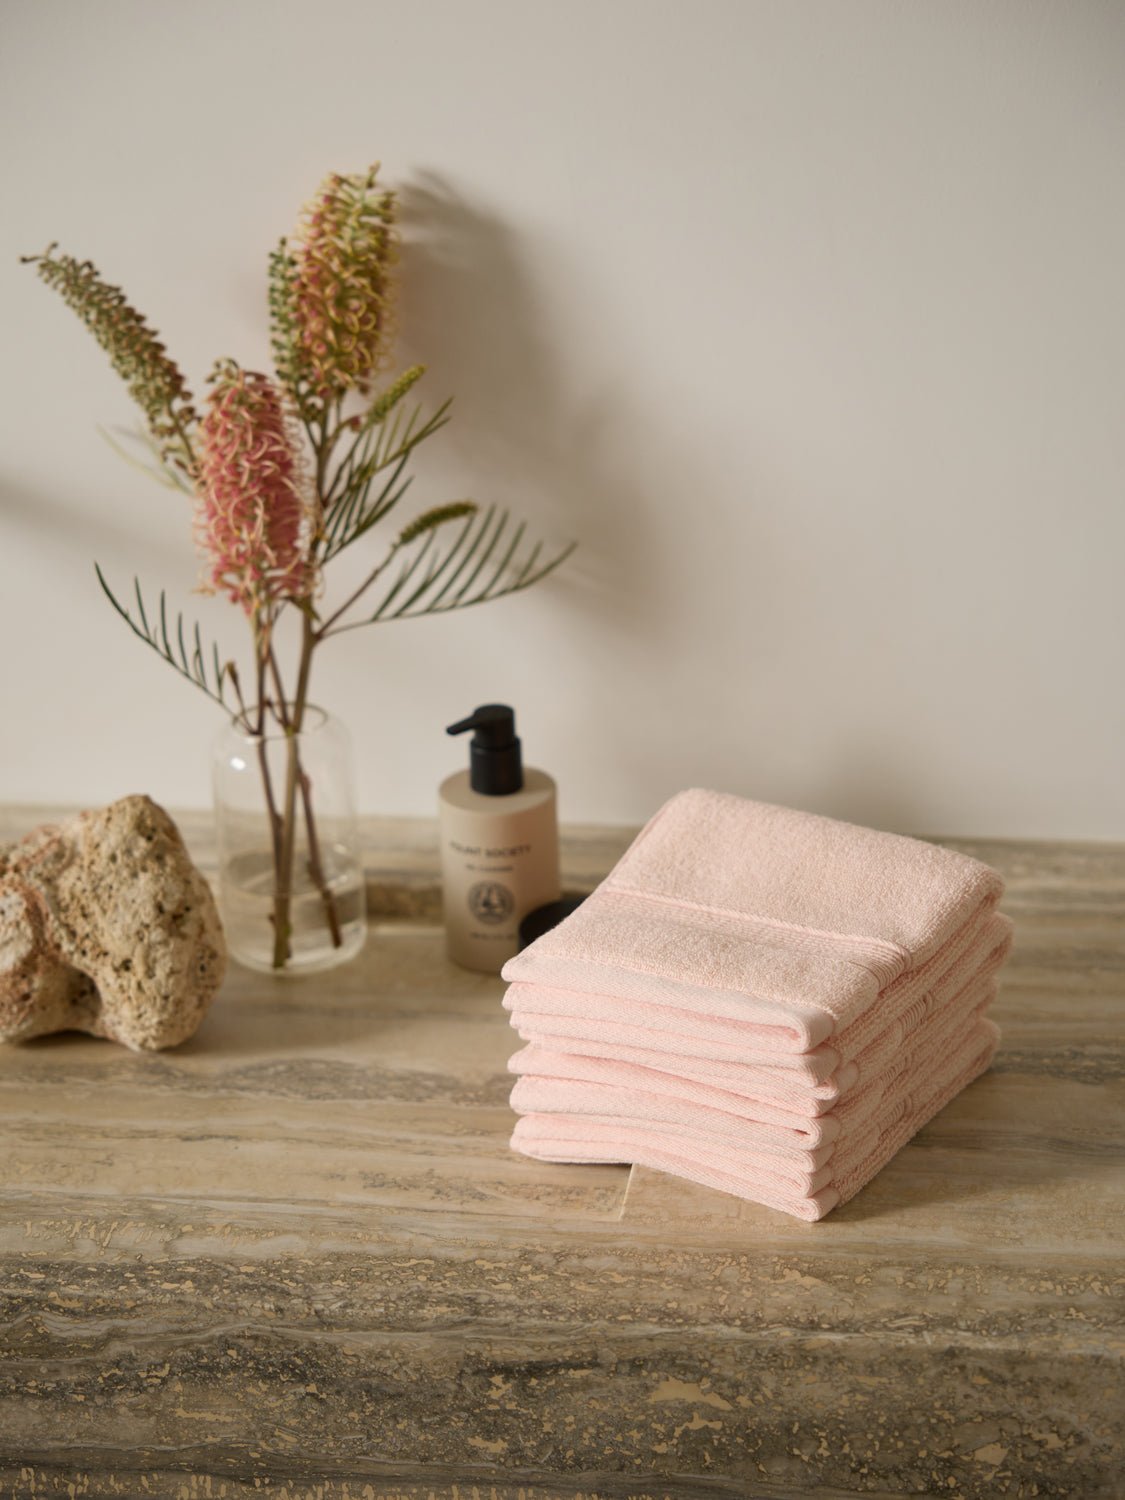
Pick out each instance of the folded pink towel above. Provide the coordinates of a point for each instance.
(756, 1175)
(582, 1021)
(765, 1091)
(788, 1090)
(636, 1108)
(787, 921)
(718, 1115)
(544, 1062)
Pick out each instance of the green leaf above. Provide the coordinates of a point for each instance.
(472, 567)
(396, 441)
(361, 513)
(376, 450)
(192, 666)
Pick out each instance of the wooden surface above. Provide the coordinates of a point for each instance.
(295, 1257)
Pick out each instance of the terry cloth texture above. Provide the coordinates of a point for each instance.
(786, 920)
(764, 1000)
(749, 1174)
(548, 1015)
(673, 1103)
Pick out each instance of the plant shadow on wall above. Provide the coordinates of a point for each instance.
(471, 301)
(552, 431)
(521, 334)
(81, 529)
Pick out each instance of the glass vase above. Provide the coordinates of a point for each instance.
(291, 886)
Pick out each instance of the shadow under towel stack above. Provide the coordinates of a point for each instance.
(765, 1001)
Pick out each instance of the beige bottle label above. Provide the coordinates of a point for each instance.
(495, 870)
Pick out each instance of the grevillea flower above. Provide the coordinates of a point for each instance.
(253, 522)
(154, 380)
(336, 288)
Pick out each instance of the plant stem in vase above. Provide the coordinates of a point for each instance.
(291, 882)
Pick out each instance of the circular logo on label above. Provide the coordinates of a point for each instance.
(491, 902)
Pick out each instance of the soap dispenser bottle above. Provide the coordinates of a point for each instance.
(499, 842)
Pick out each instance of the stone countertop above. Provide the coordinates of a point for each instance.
(295, 1256)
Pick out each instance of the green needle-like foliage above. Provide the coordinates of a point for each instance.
(185, 655)
(486, 559)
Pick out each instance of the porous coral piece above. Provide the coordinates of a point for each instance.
(106, 926)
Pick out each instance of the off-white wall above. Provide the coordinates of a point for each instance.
(806, 319)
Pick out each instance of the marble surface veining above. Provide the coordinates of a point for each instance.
(296, 1258)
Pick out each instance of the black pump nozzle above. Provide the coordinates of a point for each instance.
(495, 764)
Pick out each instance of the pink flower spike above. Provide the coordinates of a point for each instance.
(343, 289)
(253, 523)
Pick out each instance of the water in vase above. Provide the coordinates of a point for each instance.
(248, 905)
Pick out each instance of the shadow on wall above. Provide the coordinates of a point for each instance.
(475, 318)
(564, 443)
(53, 531)
(61, 519)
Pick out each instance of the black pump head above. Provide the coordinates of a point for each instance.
(495, 764)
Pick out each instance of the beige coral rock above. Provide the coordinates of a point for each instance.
(106, 926)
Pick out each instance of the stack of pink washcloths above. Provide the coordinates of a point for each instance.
(765, 1001)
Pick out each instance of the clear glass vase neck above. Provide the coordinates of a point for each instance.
(314, 720)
